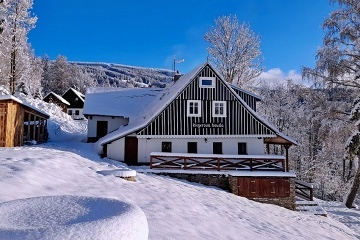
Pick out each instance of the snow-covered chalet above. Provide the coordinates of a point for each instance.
(200, 122)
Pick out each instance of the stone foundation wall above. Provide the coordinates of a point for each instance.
(216, 180)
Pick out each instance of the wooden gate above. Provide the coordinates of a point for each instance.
(2, 124)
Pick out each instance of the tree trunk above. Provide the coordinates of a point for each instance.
(350, 198)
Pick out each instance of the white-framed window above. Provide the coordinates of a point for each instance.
(207, 82)
(219, 109)
(193, 108)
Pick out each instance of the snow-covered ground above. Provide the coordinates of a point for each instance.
(52, 184)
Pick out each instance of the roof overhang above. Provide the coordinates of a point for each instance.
(280, 140)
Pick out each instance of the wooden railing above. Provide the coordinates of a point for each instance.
(217, 162)
(304, 190)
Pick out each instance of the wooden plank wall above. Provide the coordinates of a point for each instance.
(14, 124)
(3, 111)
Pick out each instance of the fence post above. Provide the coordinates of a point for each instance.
(184, 163)
(151, 161)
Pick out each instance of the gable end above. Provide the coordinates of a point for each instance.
(174, 120)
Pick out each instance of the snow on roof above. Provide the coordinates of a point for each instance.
(126, 102)
(58, 97)
(11, 97)
(3, 90)
(151, 111)
(162, 101)
(79, 94)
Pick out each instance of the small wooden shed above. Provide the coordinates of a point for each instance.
(20, 123)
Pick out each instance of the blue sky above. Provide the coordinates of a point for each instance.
(150, 33)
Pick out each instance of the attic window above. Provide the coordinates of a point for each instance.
(207, 82)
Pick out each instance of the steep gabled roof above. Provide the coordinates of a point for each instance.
(61, 99)
(77, 93)
(162, 101)
(125, 102)
(157, 106)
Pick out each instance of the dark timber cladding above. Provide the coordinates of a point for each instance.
(250, 100)
(174, 120)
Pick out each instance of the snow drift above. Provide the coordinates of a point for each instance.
(71, 217)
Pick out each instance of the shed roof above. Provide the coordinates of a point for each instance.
(11, 97)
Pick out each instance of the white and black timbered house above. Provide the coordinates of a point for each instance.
(76, 100)
(200, 114)
(201, 123)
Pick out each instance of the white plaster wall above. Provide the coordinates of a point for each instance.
(230, 146)
(76, 117)
(113, 124)
(116, 150)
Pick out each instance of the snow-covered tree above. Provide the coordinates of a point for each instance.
(235, 50)
(60, 75)
(338, 62)
(15, 51)
(311, 117)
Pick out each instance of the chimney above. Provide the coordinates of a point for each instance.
(177, 75)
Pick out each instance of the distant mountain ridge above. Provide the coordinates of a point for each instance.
(119, 75)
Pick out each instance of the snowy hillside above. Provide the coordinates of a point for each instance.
(65, 173)
(126, 76)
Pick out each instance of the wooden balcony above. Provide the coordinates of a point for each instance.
(219, 162)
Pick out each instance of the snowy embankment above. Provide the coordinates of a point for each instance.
(71, 217)
(174, 209)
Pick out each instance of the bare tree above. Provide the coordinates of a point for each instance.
(235, 50)
(338, 64)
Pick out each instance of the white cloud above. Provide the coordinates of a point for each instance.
(276, 75)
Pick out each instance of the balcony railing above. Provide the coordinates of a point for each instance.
(304, 190)
(219, 162)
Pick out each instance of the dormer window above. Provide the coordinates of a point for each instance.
(207, 82)
(194, 108)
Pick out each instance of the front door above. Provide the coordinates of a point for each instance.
(131, 150)
(101, 129)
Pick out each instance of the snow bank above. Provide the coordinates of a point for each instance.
(71, 217)
(61, 126)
